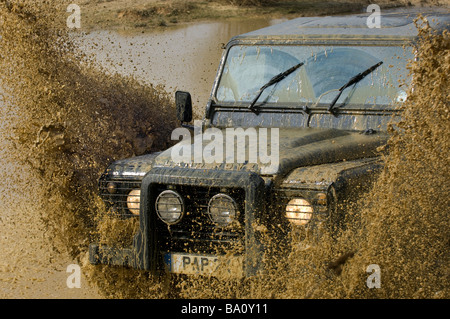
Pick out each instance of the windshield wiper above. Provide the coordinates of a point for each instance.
(277, 78)
(352, 81)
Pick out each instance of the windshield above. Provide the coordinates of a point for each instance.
(325, 70)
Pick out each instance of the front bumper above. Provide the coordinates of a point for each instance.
(146, 251)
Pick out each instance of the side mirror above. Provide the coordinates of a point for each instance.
(183, 103)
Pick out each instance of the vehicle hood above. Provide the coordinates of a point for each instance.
(295, 148)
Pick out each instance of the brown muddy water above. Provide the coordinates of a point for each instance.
(69, 108)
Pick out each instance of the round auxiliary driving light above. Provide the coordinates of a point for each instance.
(134, 201)
(169, 207)
(222, 210)
(299, 211)
(111, 188)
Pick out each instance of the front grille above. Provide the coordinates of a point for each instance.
(116, 201)
(195, 231)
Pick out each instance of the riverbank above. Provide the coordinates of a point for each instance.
(146, 15)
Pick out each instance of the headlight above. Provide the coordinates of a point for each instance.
(169, 207)
(222, 209)
(299, 211)
(133, 201)
(111, 187)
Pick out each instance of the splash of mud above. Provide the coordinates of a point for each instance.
(70, 120)
(406, 225)
(402, 226)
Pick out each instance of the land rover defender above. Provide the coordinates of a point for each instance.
(319, 93)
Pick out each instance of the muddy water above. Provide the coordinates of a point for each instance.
(183, 57)
(63, 121)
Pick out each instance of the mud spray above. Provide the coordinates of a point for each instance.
(64, 120)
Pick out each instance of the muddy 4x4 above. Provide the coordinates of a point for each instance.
(291, 135)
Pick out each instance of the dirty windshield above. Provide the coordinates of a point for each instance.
(316, 83)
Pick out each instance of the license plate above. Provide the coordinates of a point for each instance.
(196, 264)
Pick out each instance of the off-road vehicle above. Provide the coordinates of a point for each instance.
(321, 92)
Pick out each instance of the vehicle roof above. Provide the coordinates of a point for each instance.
(395, 26)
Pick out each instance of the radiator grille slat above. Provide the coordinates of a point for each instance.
(117, 202)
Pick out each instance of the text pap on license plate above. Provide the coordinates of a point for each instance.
(196, 264)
